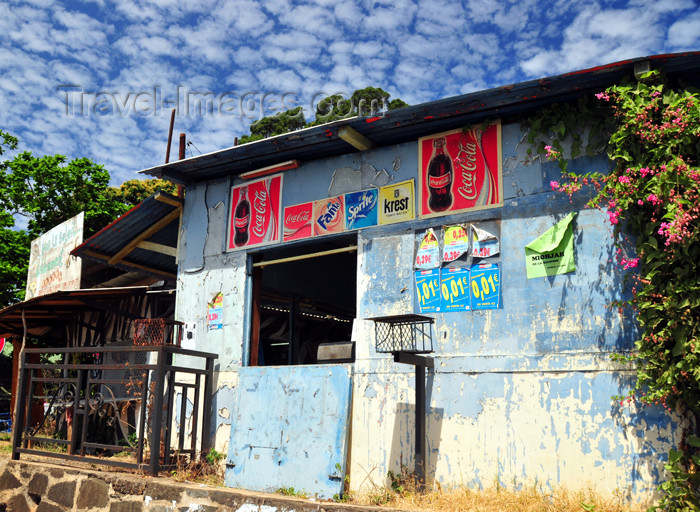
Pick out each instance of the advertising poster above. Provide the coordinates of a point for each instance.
(255, 213)
(484, 244)
(454, 288)
(460, 170)
(215, 313)
(329, 216)
(428, 251)
(455, 243)
(396, 203)
(361, 209)
(51, 267)
(428, 290)
(485, 286)
(553, 251)
(297, 222)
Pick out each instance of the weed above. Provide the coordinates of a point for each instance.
(290, 491)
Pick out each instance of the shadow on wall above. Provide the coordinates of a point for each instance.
(403, 443)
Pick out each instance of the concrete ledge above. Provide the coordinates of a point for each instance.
(44, 487)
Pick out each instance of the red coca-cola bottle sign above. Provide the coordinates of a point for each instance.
(241, 220)
(440, 177)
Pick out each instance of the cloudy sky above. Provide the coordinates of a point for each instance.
(99, 78)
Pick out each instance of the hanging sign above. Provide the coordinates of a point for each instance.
(215, 313)
(396, 203)
(255, 213)
(553, 251)
(428, 290)
(485, 284)
(460, 170)
(454, 288)
(428, 252)
(484, 244)
(455, 243)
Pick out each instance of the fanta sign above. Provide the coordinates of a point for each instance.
(329, 215)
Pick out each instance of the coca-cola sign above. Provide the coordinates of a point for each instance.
(263, 200)
(460, 170)
(297, 222)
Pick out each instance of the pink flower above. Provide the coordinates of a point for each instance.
(554, 185)
(624, 179)
(654, 199)
(614, 216)
(602, 96)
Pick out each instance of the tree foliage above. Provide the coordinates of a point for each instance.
(132, 192)
(653, 194)
(367, 101)
(47, 191)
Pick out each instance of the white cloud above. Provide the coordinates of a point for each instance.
(420, 50)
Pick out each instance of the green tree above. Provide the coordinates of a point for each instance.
(362, 102)
(132, 192)
(47, 191)
(281, 122)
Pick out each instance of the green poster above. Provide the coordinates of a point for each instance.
(553, 251)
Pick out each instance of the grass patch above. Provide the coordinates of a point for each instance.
(402, 495)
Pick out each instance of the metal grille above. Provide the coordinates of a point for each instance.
(149, 331)
(404, 333)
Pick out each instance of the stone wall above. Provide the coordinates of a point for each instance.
(41, 487)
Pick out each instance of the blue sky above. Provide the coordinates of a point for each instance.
(98, 78)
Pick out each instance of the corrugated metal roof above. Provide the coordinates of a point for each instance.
(154, 221)
(410, 123)
(43, 312)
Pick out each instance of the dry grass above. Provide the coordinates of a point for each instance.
(495, 499)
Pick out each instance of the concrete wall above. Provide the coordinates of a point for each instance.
(518, 394)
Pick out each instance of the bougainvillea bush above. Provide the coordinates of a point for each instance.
(652, 196)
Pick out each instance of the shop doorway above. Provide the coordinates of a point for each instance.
(302, 297)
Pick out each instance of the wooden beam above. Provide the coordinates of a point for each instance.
(160, 196)
(143, 268)
(144, 235)
(159, 248)
(355, 138)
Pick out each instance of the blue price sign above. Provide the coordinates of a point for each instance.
(454, 288)
(428, 290)
(485, 286)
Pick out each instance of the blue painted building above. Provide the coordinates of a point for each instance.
(283, 232)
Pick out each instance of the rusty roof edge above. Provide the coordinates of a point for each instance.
(480, 103)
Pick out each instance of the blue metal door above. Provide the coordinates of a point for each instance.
(289, 429)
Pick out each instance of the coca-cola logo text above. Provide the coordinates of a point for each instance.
(298, 218)
(260, 207)
(467, 164)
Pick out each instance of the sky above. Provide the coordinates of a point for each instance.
(99, 78)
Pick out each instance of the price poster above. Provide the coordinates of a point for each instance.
(455, 243)
(454, 288)
(484, 244)
(215, 312)
(485, 286)
(428, 252)
(428, 290)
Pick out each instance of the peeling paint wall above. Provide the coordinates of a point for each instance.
(519, 394)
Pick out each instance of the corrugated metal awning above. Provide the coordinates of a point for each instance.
(144, 239)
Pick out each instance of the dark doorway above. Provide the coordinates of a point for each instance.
(302, 297)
